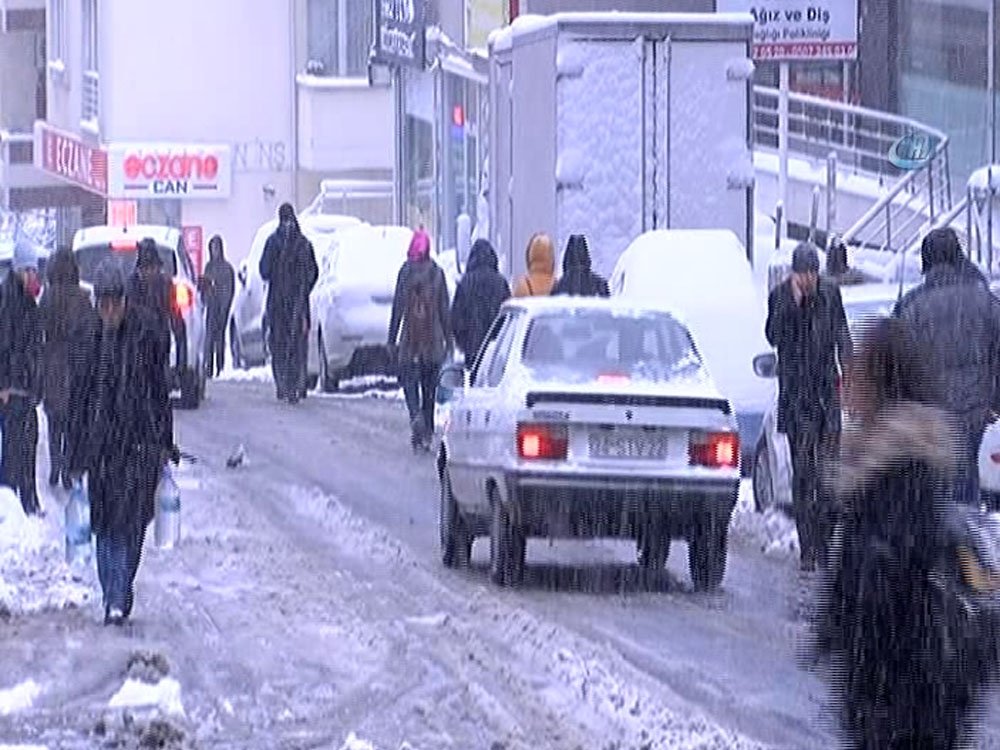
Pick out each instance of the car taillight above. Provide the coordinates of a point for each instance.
(717, 450)
(542, 441)
(613, 378)
(995, 458)
(123, 245)
(183, 297)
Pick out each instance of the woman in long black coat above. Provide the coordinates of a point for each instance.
(121, 434)
(68, 320)
(905, 675)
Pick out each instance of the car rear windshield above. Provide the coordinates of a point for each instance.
(90, 257)
(588, 345)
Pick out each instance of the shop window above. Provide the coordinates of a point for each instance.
(90, 105)
(339, 37)
(947, 42)
(58, 44)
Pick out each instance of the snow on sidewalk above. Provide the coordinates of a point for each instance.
(33, 572)
(19, 697)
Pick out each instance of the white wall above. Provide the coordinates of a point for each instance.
(18, 79)
(218, 71)
(344, 125)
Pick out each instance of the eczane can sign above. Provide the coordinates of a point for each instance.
(169, 171)
(799, 29)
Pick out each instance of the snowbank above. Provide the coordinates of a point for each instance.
(19, 697)
(33, 573)
(164, 695)
(260, 374)
(773, 532)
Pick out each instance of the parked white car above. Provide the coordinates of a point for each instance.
(587, 418)
(93, 245)
(772, 462)
(704, 276)
(246, 322)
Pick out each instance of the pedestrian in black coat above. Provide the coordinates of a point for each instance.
(68, 320)
(288, 266)
(478, 298)
(222, 282)
(807, 325)
(20, 374)
(906, 674)
(151, 288)
(578, 277)
(956, 319)
(121, 434)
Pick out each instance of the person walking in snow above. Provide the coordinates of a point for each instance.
(149, 287)
(420, 334)
(477, 300)
(956, 319)
(222, 282)
(541, 259)
(910, 661)
(806, 324)
(20, 374)
(578, 278)
(288, 266)
(68, 320)
(121, 434)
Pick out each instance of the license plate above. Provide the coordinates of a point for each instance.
(628, 445)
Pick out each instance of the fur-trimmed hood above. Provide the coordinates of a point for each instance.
(898, 434)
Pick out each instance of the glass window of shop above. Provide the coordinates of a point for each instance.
(339, 37)
(944, 50)
(462, 150)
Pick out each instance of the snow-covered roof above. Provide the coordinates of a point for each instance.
(569, 303)
(503, 38)
(164, 235)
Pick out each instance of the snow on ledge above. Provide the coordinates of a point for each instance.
(985, 178)
(309, 81)
(164, 695)
(19, 697)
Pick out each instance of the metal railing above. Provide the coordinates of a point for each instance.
(90, 107)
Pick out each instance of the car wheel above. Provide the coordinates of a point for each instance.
(190, 385)
(507, 545)
(456, 542)
(653, 548)
(707, 548)
(328, 383)
(763, 485)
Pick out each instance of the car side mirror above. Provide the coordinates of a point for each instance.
(242, 274)
(450, 384)
(766, 365)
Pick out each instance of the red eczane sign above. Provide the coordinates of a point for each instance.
(69, 158)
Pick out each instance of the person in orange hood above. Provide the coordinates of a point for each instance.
(541, 257)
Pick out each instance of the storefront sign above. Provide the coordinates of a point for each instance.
(399, 32)
(194, 244)
(800, 29)
(168, 171)
(123, 213)
(66, 156)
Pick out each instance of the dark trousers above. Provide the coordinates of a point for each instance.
(20, 443)
(419, 379)
(58, 425)
(812, 506)
(288, 362)
(215, 326)
(966, 487)
(118, 557)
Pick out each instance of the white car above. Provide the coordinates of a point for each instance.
(587, 417)
(93, 245)
(772, 462)
(352, 302)
(246, 322)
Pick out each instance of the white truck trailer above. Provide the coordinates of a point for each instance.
(612, 124)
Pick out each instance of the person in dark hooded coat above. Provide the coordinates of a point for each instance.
(477, 300)
(908, 671)
(222, 282)
(578, 278)
(956, 320)
(288, 265)
(68, 320)
(20, 374)
(149, 287)
(121, 434)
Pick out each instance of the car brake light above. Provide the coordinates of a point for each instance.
(123, 246)
(613, 378)
(183, 298)
(717, 450)
(995, 458)
(542, 441)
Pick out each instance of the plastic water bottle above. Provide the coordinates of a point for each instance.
(78, 547)
(168, 511)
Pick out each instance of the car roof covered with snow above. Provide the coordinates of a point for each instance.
(163, 235)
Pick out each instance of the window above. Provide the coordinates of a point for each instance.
(57, 43)
(485, 354)
(499, 363)
(339, 37)
(90, 108)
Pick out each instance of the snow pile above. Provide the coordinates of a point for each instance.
(773, 532)
(164, 695)
(19, 697)
(353, 742)
(33, 574)
(260, 374)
